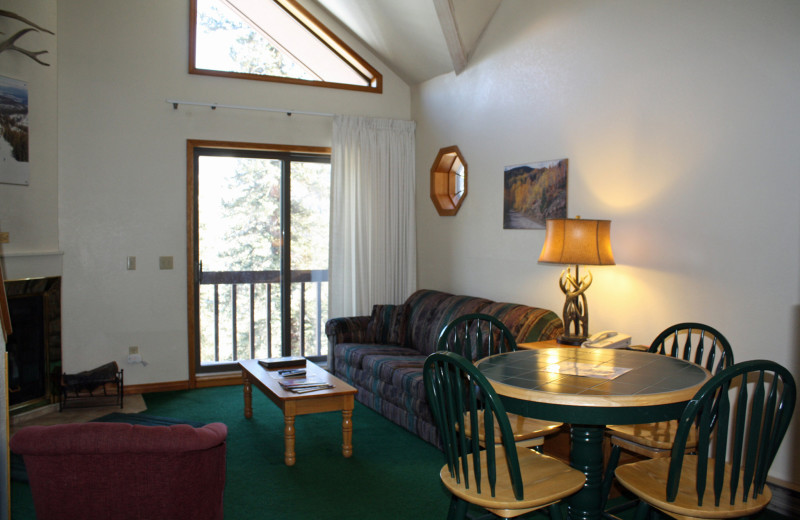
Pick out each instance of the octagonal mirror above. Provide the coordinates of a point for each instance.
(448, 181)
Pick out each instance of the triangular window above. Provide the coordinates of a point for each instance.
(273, 40)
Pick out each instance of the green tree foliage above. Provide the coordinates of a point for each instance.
(537, 193)
(243, 231)
(252, 209)
(249, 51)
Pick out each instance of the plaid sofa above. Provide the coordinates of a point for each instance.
(382, 355)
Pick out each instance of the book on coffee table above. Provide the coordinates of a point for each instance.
(283, 362)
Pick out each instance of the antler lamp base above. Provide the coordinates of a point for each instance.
(576, 308)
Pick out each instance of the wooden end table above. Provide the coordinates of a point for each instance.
(548, 343)
(340, 397)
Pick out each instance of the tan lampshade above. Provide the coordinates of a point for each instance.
(577, 241)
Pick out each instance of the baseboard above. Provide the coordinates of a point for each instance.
(227, 379)
(169, 386)
(219, 380)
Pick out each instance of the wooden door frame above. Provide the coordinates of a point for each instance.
(191, 226)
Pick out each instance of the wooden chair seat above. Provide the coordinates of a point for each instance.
(690, 341)
(475, 336)
(741, 416)
(527, 432)
(648, 481)
(506, 479)
(653, 440)
(545, 480)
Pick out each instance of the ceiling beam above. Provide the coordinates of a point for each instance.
(447, 20)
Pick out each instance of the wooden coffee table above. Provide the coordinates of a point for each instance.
(340, 397)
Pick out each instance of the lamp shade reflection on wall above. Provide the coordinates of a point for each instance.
(576, 242)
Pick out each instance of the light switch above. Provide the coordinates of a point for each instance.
(131, 263)
(165, 262)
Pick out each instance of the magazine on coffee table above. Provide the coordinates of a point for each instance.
(303, 385)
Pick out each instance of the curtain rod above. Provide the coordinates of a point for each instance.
(175, 103)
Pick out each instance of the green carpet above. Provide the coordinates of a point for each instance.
(391, 475)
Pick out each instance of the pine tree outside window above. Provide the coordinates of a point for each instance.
(273, 40)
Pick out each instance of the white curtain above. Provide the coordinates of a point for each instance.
(373, 229)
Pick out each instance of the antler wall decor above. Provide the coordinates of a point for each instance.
(8, 44)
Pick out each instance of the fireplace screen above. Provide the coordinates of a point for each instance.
(34, 347)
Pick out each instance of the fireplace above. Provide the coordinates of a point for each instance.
(34, 347)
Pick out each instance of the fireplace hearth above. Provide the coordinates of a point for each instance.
(34, 347)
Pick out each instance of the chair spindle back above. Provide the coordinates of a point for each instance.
(742, 415)
(476, 336)
(456, 392)
(695, 342)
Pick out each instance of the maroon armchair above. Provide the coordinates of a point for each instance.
(122, 471)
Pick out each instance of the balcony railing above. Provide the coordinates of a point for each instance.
(227, 306)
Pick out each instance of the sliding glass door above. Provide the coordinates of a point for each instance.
(260, 254)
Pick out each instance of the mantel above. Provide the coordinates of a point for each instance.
(31, 264)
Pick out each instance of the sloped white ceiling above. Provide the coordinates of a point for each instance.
(409, 35)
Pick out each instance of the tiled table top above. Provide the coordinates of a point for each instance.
(593, 377)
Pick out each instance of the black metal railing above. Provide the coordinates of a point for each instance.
(228, 283)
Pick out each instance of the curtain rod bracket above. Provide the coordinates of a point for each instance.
(174, 106)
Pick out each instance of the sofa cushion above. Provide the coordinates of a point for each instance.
(430, 311)
(387, 325)
(353, 354)
(404, 372)
(526, 323)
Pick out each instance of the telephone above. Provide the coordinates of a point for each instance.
(607, 339)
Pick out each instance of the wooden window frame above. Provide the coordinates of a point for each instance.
(315, 27)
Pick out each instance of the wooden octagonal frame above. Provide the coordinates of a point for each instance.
(448, 181)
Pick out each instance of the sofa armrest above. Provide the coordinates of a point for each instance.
(352, 329)
(347, 330)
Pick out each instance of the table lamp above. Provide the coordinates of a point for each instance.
(576, 242)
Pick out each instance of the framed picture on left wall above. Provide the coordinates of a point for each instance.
(14, 164)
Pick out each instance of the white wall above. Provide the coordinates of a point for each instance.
(121, 168)
(681, 122)
(30, 213)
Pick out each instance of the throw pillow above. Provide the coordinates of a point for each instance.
(387, 325)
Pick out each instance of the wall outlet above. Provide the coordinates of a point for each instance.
(131, 263)
(133, 350)
(134, 358)
(165, 262)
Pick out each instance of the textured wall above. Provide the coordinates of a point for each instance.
(681, 122)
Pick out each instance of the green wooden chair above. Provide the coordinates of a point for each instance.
(476, 336)
(742, 415)
(506, 479)
(695, 342)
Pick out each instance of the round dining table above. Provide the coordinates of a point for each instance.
(590, 388)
